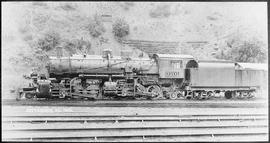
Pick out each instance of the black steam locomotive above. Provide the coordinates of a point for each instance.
(163, 76)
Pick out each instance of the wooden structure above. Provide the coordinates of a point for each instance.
(154, 47)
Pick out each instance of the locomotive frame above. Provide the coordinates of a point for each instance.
(163, 76)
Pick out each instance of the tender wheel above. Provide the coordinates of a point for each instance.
(209, 94)
(228, 94)
(196, 95)
(240, 95)
(189, 95)
(245, 94)
(173, 96)
(203, 95)
(251, 94)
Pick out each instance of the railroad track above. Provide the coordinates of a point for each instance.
(96, 128)
(144, 103)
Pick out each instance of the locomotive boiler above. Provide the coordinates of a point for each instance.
(163, 76)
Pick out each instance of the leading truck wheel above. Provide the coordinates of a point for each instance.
(228, 94)
(29, 95)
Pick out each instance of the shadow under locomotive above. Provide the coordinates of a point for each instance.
(162, 76)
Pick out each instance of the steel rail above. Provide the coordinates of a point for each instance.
(145, 127)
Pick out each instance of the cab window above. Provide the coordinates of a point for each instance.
(176, 64)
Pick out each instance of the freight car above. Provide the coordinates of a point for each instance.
(163, 76)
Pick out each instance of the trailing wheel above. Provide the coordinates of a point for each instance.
(173, 95)
(228, 95)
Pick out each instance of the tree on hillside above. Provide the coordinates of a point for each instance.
(49, 41)
(96, 27)
(120, 28)
(244, 51)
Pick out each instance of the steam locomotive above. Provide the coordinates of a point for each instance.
(162, 76)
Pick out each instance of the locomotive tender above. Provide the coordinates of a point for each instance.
(159, 77)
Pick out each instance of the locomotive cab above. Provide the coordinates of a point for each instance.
(172, 72)
(172, 66)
